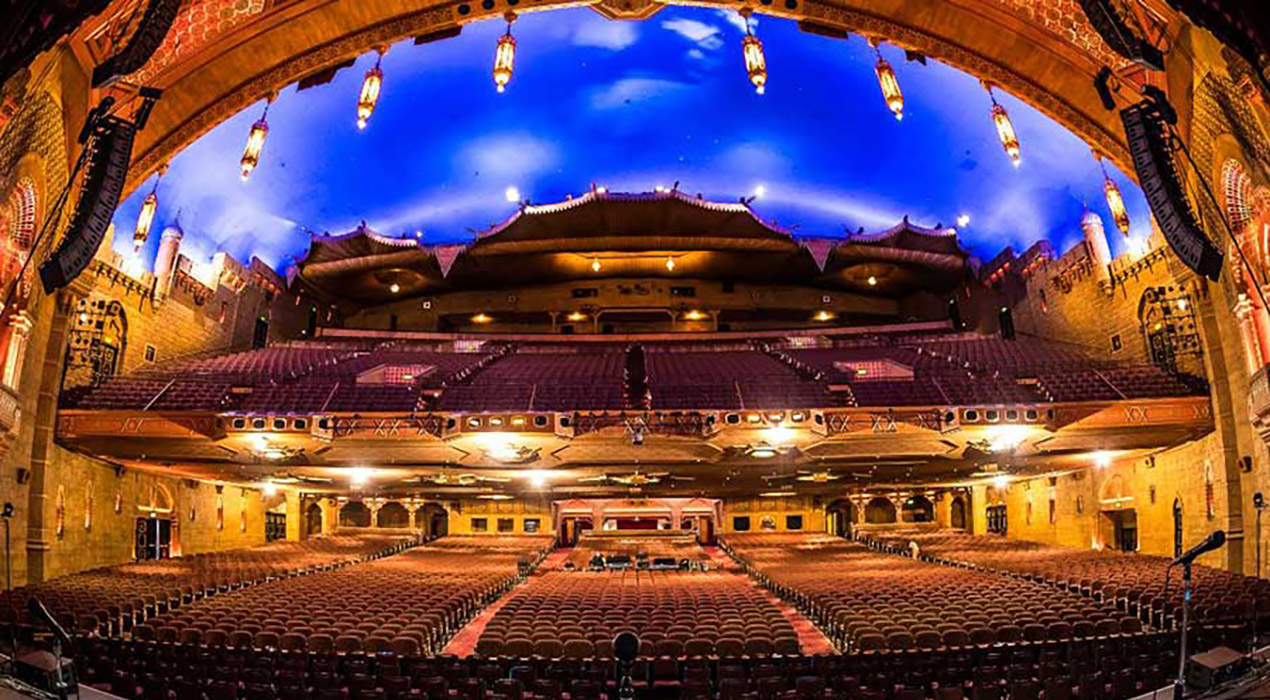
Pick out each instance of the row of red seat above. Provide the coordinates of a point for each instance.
(410, 603)
(867, 600)
(111, 599)
(1133, 582)
(675, 613)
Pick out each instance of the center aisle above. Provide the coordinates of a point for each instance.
(463, 644)
(810, 639)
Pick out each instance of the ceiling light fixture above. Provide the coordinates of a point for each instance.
(752, 49)
(255, 143)
(146, 218)
(670, 264)
(763, 451)
(889, 83)
(595, 265)
(505, 55)
(1005, 130)
(370, 92)
(481, 318)
(1006, 438)
(1115, 201)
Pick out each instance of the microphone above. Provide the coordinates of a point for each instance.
(37, 609)
(1213, 541)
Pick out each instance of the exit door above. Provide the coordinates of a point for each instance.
(154, 539)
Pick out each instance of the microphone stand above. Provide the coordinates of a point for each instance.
(1179, 685)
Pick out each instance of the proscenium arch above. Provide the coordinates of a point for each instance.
(257, 58)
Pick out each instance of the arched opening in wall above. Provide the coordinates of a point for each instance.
(276, 522)
(393, 514)
(96, 344)
(879, 511)
(840, 517)
(918, 509)
(156, 535)
(998, 520)
(1118, 520)
(433, 519)
(573, 527)
(354, 514)
(313, 520)
(957, 513)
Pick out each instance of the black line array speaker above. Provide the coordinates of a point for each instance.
(149, 35)
(108, 160)
(1113, 29)
(1149, 144)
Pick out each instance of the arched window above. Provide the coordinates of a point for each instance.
(1210, 495)
(60, 513)
(1237, 188)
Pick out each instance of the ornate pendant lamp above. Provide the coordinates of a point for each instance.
(505, 55)
(755, 61)
(890, 84)
(255, 142)
(146, 218)
(1115, 201)
(371, 85)
(1005, 129)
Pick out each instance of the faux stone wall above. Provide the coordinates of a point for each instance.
(83, 486)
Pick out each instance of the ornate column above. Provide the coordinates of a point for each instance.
(1261, 322)
(39, 534)
(20, 332)
(1243, 311)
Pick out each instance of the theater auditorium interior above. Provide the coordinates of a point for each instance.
(650, 441)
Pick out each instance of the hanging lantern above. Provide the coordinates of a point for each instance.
(755, 61)
(146, 218)
(505, 56)
(1115, 201)
(255, 142)
(1005, 130)
(890, 85)
(370, 93)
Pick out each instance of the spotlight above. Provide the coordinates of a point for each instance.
(8, 510)
(963, 220)
(512, 194)
(358, 476)
(394, 288)
(873, 281)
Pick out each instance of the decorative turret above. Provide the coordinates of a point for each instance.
(165, 262)
(1096, 240)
